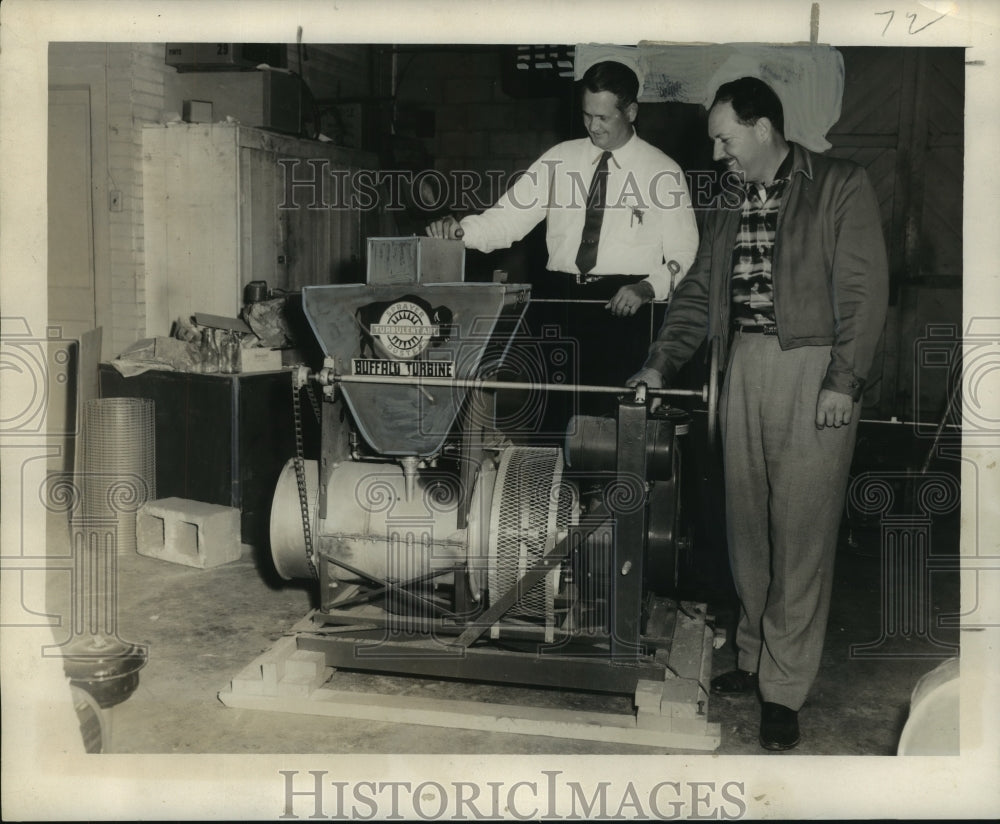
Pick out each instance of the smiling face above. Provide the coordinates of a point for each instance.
(742, 148)
(608, 126)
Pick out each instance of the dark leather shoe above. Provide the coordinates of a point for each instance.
(736, 682)
(779, 727)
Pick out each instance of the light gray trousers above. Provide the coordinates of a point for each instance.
(785, 483)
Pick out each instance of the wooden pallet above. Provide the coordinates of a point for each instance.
(670, 714)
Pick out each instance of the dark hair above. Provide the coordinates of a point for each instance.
(751, 100)
(610, 76)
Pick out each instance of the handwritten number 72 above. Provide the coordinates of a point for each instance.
(913, 20)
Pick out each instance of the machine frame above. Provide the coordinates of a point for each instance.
(645, 645)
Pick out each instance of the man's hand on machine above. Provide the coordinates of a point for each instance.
(629, 298)
(652, 379)
(447, 228)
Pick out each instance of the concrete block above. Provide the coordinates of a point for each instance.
(681, 697)
(648, 695)
(509, 144)
(652, 720)
(490, 117)
(305, 663)
(695, 724)
(461, 143)
(283, 670)
(299, 686)
(303, 682)
(469, 88)
(272, 663)
(188, 532)
(248, 682)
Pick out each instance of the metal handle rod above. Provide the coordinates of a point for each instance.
(465, 383)
(577, 300)
(895, 422)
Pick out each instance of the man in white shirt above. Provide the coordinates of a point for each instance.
(645, 234)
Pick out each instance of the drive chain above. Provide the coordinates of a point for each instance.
(300, 479)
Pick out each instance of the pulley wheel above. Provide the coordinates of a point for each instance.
(288, 545)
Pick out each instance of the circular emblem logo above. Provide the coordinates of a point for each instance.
(404, 330)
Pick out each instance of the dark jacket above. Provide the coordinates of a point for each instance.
(829, 274)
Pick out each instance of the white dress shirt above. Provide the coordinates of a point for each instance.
(648, 220)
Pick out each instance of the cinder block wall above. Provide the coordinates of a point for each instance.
(133, 91)
(135, 96)
(477, 126)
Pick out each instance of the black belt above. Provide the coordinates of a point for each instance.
(583, 280)
(767, 329)
(567, 285)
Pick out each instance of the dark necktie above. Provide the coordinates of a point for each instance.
(586, 257)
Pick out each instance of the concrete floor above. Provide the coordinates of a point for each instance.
(202, 627)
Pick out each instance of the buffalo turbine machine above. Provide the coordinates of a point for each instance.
(442, 545)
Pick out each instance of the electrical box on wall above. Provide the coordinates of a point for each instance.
(205, 57)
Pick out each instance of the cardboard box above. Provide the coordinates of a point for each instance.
(197, 111)
(394, 260)
(258, 359)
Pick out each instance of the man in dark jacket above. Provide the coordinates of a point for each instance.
(791, 279)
